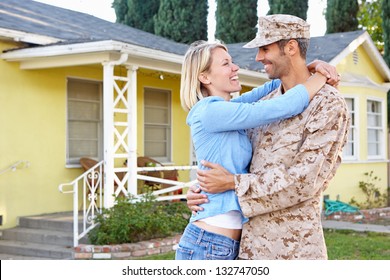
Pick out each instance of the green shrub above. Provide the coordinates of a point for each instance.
(373, 196)
(131, 220)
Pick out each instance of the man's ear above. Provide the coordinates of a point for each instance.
(204, 79)
(292, 47)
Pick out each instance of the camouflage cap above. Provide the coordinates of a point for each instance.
(274, 28)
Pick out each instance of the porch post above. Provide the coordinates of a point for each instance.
(108, 131)
(132, 125)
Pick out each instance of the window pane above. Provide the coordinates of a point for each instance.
(156, 149)
(83, 148)
(373, 135)
(155, 97)
(373, 149)
(83, 130)
(155, 133)
(156, 115)
(84, 90)
(348, 149)
(79, 110)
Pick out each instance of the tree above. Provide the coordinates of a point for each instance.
(236, 20)
(341, 16)
(370, 19)
(296, 8)
(136, 13)
(183, 21)
(386, 30)
(120, 7)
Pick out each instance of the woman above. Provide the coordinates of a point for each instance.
(218, 131)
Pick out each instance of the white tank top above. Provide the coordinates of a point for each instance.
(231, 220)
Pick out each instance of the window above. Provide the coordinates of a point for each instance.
(84, 123)
(157, 127)
(375, 130)
(350, 148)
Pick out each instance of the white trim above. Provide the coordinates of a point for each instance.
(132, 122)
(90, 47)
(108, 123)
(365, 161)
(25, 37)
(356, 149)
(349, 79)
(384, 128)
(94, 53)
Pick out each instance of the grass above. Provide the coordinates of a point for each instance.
(352, 245)
(341, 244)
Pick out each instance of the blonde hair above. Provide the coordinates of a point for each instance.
(196, 61)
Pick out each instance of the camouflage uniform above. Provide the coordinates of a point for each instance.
(293, 162)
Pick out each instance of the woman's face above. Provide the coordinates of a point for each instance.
(222, 78)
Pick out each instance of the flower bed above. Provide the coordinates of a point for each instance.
(369, 216)
(126, 251)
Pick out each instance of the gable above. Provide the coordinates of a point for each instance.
(359, 63)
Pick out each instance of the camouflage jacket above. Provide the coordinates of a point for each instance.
(293, 162)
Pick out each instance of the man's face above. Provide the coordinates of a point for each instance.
(275, 61)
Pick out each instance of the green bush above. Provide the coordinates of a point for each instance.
(373, 196)
(131, 220)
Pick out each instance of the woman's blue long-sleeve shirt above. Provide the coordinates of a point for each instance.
(219, 136)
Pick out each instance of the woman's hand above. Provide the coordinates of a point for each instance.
(329, 71)
(195, 198)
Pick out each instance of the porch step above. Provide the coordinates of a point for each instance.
(19, 257)
(43, 236)
(48, 236)
(36, 250)
(56, 221)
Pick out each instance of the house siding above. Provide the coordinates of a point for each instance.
(33, 125)
(345, 185)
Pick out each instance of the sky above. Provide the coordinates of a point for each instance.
(102, 9)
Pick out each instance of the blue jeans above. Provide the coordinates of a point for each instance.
(199, 244)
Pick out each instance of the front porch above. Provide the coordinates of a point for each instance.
(89, 192)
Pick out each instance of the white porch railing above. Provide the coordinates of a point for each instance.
(91, 185)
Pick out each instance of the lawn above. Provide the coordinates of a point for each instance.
(342, 245)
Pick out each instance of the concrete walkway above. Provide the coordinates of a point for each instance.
(331, 224)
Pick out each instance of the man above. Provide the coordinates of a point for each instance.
(293, 160)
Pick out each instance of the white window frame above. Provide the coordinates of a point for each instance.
(381, 129)
(74, 162)
(168, 126)
(354, 128)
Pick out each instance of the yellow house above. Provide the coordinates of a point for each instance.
(74, 86)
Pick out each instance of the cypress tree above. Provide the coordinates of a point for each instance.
(136, 13)
(236, 20)
(183, 21)
(296, 8)
(120, 7)
(386, 30)
(341, 16)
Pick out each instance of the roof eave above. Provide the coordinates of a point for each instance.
(96, 52)
(26, 37)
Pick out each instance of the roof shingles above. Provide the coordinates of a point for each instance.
(70, 26)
